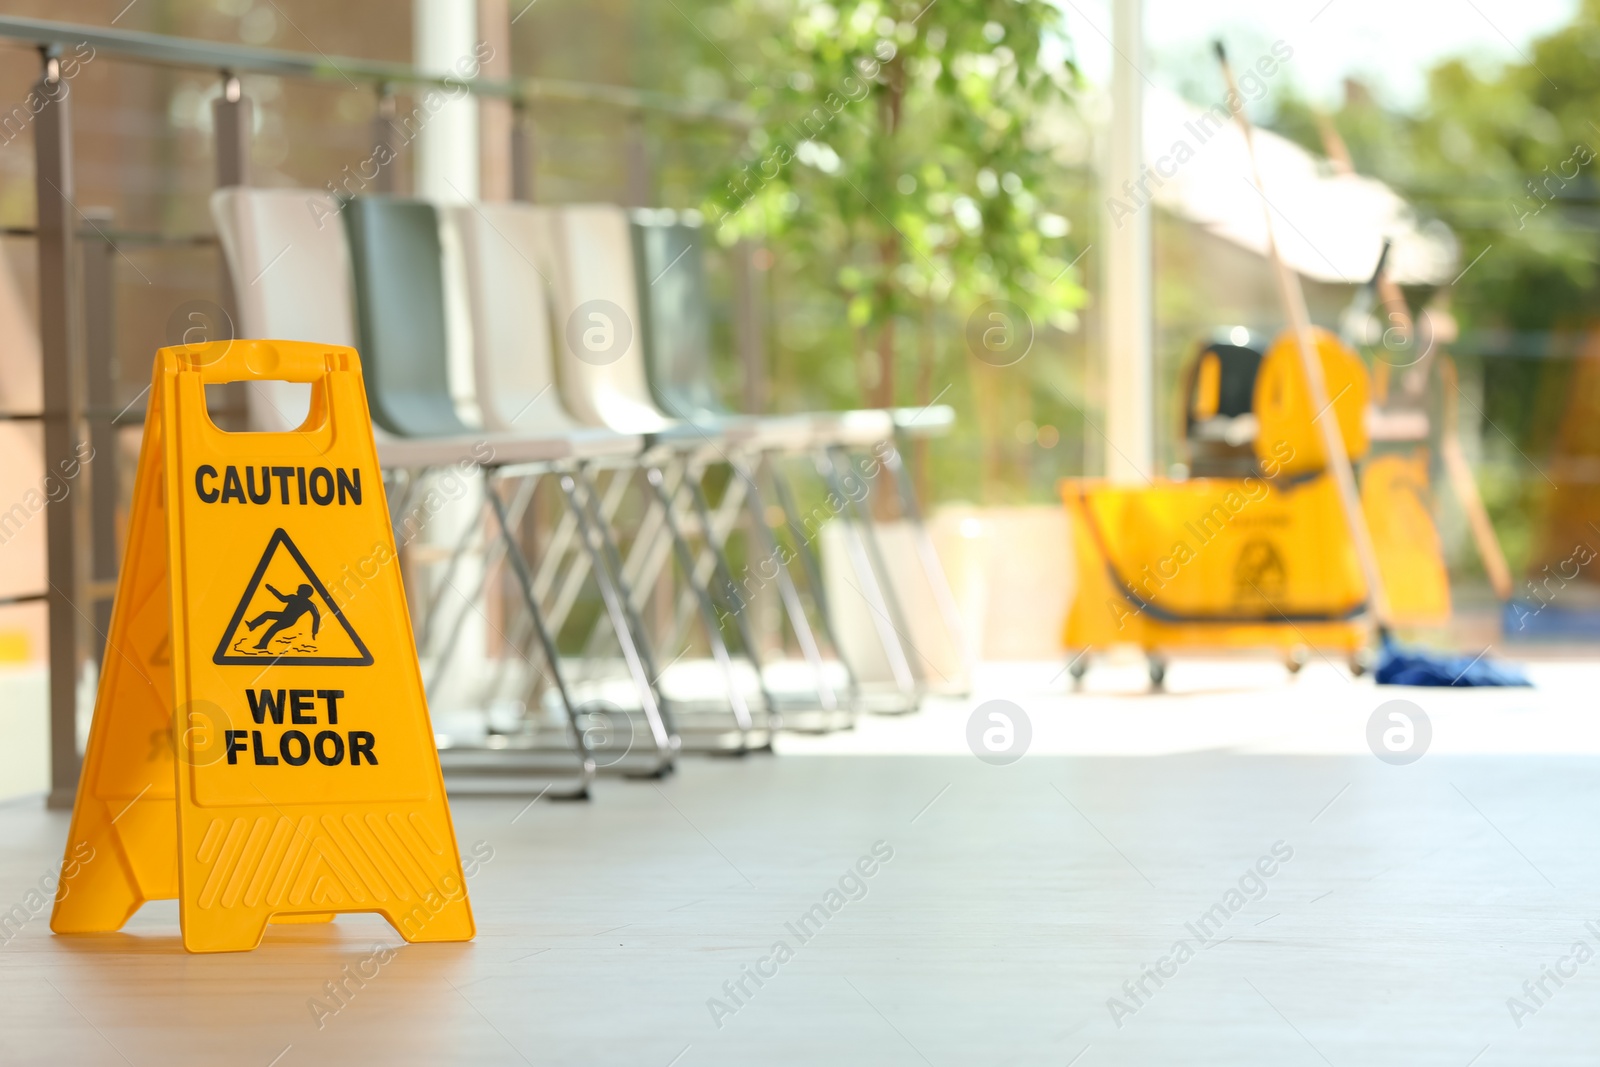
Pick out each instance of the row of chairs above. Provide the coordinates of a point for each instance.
(507, 345)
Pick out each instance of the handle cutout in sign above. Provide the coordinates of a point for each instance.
(261, 748)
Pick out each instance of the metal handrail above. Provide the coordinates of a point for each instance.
(125, 237)
(57, 235)
(242, 59)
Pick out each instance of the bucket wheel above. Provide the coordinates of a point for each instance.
(1360, 662)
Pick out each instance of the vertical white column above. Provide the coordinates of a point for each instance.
(445, 42)
(447, 171)
(1130, 368)
(444, 33)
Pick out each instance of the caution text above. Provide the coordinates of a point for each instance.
(282, 485)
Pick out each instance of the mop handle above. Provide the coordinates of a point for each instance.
(1294, 305)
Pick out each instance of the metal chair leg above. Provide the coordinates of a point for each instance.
(736, 604)
(406, 484)
(573, 581)
(552, 657)
(585, 495)
(664, 741)
(435, 600)
(723, 519)
(554, 553)
(492, 551)
(813, 569)
(868, 564)
(652, 547)
(932, 568)
(799, 625)
(719, 649)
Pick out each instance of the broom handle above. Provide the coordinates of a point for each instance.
(1466, 489)
(1294, 306)
(1413, 378)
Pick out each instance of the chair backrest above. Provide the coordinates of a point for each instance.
(597, 320)
(505, 250)
(398, 272)
(290, 265)
(674, 306)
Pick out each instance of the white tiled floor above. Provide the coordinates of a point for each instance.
(1239, 706)
(1017, 903)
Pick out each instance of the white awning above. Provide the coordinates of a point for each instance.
(1330, 226)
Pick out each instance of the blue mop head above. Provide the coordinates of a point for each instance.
(1412, 666)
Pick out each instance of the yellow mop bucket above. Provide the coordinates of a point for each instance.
(1398, 503)
(1258, 562)
(1225, 563)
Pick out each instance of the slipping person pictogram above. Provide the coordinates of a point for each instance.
(303, 626)
(295, 605)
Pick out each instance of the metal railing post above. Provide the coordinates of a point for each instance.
(383, 138)
(74, 587)
(231, 119)
(231, 114)
(54, 190)
(749, 322)
(524, 156)
(100, 398)
(640, 176)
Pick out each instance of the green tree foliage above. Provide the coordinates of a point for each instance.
(902, 154)
(1507, 157)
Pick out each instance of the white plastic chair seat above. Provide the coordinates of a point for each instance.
(867, 426)
(858, 429)
(688, 436)
(762, 433)
(497, 450)
(415, 453)
(789, 433)
(934, 420)
(590, 257)
(587, 442)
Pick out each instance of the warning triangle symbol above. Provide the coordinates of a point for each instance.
(287, 616)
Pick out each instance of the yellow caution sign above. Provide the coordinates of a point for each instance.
(261, 748)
